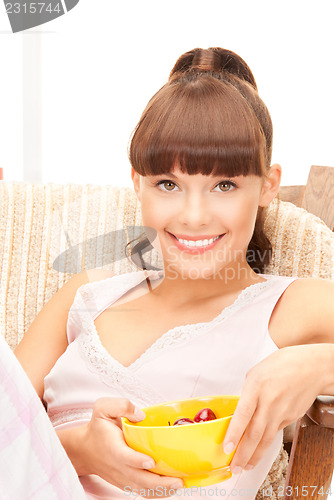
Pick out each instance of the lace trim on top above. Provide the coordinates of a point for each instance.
(112, 372)
(183, 333)
(72, 415)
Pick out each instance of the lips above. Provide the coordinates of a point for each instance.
(195, 244)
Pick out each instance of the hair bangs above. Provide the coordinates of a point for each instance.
(204, 126)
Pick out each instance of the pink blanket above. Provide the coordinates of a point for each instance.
(33, 464)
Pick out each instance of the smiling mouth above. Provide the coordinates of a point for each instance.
(198, 244)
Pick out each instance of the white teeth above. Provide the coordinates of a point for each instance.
(197, 243)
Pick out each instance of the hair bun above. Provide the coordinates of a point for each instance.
(213, 60)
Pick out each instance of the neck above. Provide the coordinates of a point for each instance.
(182, 289)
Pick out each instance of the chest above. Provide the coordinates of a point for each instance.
(127, 330)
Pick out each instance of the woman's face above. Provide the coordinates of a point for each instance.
(203, 223)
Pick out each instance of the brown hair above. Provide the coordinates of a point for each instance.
(209, 119)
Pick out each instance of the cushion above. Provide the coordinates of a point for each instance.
(303, 245)
(48, 232)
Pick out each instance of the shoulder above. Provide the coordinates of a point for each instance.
(75, 282)
(316, 293)
(304, 313)
(91, 275)
(83, 285)
(46, 339)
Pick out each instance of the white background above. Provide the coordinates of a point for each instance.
(73, 90)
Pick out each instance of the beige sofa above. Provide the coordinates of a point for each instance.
(48, 232)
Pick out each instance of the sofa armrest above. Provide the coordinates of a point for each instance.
(322, 411)
(311, 461)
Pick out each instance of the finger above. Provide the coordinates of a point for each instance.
(239, 422)
(144, 483)
(114, 408)
(136, 462)
(135, 459)
(249, 442)
(130, 457)
(267, 439)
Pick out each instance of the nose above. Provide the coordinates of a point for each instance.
(195, 211)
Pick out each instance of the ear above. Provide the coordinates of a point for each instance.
(136, 182)
(270, 185)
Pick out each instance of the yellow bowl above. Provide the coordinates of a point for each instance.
(192, 452)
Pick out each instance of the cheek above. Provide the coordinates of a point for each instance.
(152, 214)
(242, 217)
(152, 217)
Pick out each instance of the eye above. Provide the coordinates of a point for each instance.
(167, 185)
(226, 186)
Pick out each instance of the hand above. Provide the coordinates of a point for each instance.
(103, 450)
(277, 391)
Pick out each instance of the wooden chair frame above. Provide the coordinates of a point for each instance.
(317, 196)
(311, 461)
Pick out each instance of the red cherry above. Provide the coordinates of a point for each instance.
(183, 421)
(204, 415)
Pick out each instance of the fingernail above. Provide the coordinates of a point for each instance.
(228, 448)
(236, 470)
(139, 414)
(176, 486)
(149, 464)
(249, 467)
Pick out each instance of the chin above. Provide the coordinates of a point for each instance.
(192, 272)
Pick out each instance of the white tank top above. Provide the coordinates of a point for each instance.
(206, 359)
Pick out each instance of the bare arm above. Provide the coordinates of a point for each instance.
(46, 340)
(282, 387)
